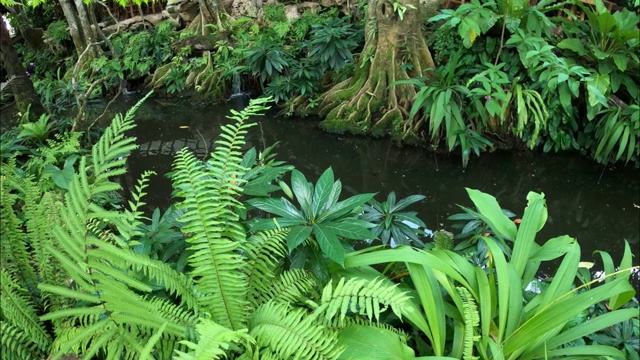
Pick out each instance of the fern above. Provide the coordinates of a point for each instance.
(210, 193)
(19, 310)
(16, 344)
(292, 286)
(471, 322)
(362, 297)
(214, 341)
(290, 332)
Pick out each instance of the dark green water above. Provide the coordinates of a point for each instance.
(598, 206)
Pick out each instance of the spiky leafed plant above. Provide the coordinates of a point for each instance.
(234, 299)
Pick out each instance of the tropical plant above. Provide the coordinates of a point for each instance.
(36, 131)
(331, 44)
(84, 280)
(266, 59)
(480, 312)
(319, 221)
(442, 103)
(394, 226)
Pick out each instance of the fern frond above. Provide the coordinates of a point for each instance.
(265, 251)
(134, 216)
(471, 322)
(362, 297)
(175, 283)
(14, 257)
(218, 268)
(292, 333)
(291, 286)
(214, 341)
(19, 312)
(15, 344)
(210, 193)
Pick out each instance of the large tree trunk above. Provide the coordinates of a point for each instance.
(210, 14)
(89, 34)
(26, 97)
(369, 103)
(75, 29)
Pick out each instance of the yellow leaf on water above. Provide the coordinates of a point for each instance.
(183, 126)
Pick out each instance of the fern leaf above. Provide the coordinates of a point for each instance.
(15, 344)
(14, 256)
(215, 241)
(293, 333)
(471, 322)
(210, 193)
(265, 251)
(362, 297)
(291, 286)
(214, 341)
(19, 312)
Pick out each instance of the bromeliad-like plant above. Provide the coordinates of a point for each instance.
(394, 226)
(482, 312)
(319, 221)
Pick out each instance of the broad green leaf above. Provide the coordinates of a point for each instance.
(281, 207)
(587, 351)
(275, 223)
(430, 295)
(302, 189)
(598, 88)
(621, 61)
(490, 209)
(406, 202)
(553, 248)
(592, 326)
(574, 45)
(297, 235)
(367, 342)
(356, 229)
(322, 191)
(617, 301)
(329, 244)
(534, 218)
(547, 322)
(344, 207)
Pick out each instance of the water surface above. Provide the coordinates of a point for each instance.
(597, 205)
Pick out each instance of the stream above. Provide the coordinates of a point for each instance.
(600, 206)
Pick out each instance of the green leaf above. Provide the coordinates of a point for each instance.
(329, 244)
(574, 45)
(488, 206)
(553, 248)
(352, 229)
(598, 88)
(621, 61)
(368, 342)
(281, 207)
(302, 190)
(344, 207)
(322, 191)
(297, 235)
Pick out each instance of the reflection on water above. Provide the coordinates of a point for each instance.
(598, 206)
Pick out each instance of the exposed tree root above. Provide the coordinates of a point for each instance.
(370, 102)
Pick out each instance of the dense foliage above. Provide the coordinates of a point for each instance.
(508, 73)
(86, 274)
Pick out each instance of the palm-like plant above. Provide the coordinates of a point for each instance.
(320, 218)
(393, 225)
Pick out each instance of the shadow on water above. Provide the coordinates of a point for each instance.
(598, 206)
